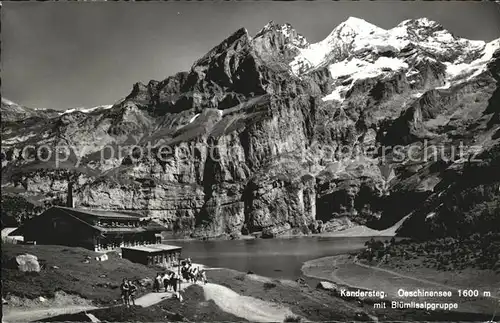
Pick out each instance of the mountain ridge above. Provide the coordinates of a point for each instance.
(278, 123)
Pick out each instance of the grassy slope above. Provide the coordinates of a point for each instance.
(73, 276)
(300, 299)
(349, 274)
(317, 305)
(448, 260)
(309, 303)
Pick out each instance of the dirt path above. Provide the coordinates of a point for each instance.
(40, 314)
(154, 298)
(27, 315)
(252, 309)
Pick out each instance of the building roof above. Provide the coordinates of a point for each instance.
(82, 216)
(153, 248)
(102, 214)
(8, 231)
(151, 226)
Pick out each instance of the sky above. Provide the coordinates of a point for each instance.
(63, 55)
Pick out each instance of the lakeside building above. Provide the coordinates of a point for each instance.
(98, 230)
(9, 238)
(158, 254)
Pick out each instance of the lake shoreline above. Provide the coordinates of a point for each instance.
(359, 231)
(307, 268)
(277, 258)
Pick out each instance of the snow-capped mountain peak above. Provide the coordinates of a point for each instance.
(357, 49)
(12, 111)
(490, 48)
(354, 27)
(352, 34)
(87, 110)
(358, 38)
(290, 34)
(421, 22)
(7, 101)
(459, 72)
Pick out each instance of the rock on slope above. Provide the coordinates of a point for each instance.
(264, 134)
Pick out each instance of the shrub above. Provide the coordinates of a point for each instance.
(292, 318)
(269, 285)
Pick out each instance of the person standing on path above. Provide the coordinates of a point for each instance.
(125, 289)
(174, 281)
(132, 291)
(157, 283)
(203, 276)
(194, 274)
(167, 280)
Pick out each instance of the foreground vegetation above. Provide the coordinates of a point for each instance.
(481, 251)
(72, 270)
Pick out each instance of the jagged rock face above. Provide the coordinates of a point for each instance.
(264, 134)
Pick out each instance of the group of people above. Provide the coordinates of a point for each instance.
(128, 290)
(193, 273)
(169, 280)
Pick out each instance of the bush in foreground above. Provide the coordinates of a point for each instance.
(292, 318)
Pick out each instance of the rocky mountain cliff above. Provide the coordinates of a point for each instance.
(273, 134)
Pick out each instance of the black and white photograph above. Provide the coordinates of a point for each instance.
(250, 161)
